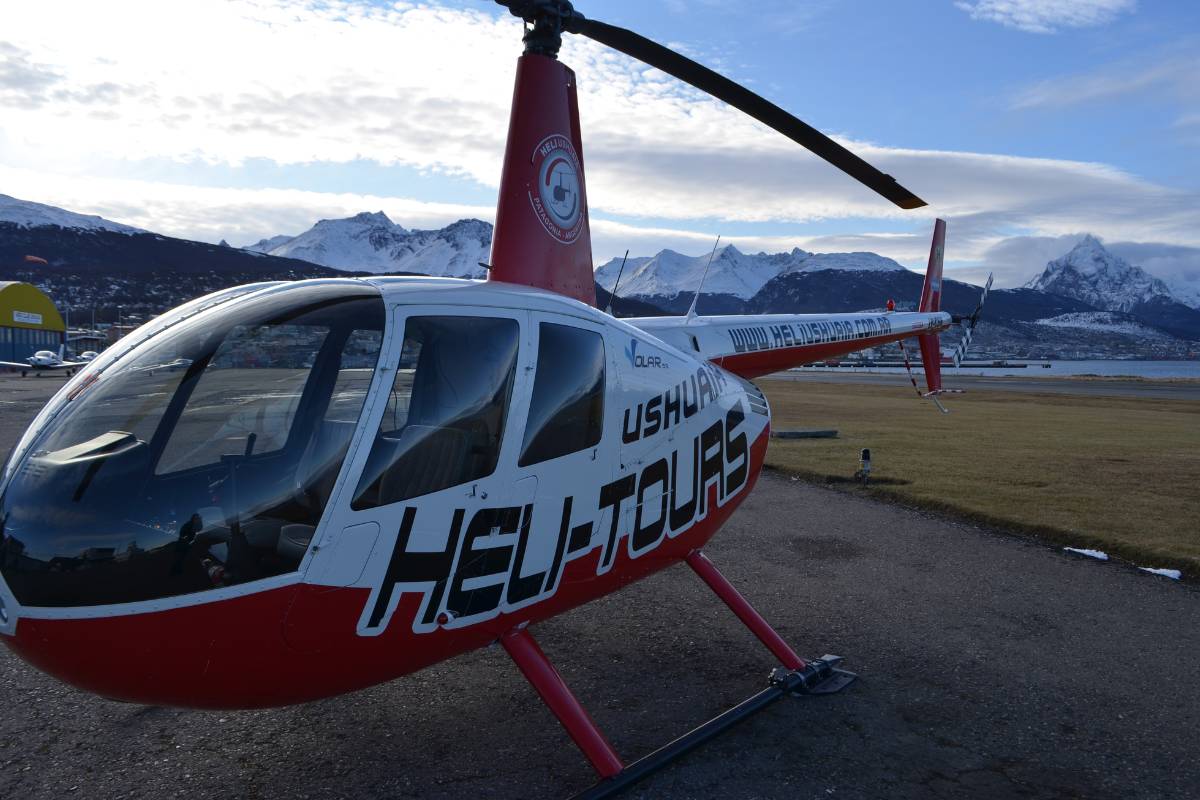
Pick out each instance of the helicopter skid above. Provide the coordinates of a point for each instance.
(819, 676)
(797, 677)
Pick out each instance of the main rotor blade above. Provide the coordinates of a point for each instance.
(741, 98)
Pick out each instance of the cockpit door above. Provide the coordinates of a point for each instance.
(429, 479)
(564, 453)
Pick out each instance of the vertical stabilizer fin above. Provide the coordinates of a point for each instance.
(931, 300)
(931, 292)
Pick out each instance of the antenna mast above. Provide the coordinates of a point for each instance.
(613, 294)
(692, 309)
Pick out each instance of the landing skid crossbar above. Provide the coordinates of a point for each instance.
(820, 676)
(797, 676)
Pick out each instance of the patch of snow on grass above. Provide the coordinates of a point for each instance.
(1173, 574)
(1097, 554)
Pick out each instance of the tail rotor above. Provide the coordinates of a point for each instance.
(968, 324)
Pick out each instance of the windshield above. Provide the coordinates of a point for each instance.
(203, 458)
(118, 350)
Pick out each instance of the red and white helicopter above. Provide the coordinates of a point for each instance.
(347, 480)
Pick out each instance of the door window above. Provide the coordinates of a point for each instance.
(566, 412)
(445, 414)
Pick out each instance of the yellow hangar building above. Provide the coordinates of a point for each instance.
(28, 321)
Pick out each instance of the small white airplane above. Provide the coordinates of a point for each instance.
(46, 361)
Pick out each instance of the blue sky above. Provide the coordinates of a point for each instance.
(1026, 123)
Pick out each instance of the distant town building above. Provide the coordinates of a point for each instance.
(80, 340)
(113, 333)
(29, 321)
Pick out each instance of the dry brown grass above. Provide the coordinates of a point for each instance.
(1120, 474)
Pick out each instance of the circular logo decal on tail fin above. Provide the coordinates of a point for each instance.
(558, 197)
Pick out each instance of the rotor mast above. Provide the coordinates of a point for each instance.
(542, 236)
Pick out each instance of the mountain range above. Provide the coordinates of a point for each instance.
(731, 272)
(373, 243)
(1086, 296)
(94, 267)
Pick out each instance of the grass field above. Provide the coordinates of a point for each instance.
(1118, 474)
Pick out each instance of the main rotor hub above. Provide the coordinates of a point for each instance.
(545, 22)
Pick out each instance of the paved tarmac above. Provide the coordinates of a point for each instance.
(1091, 387)
(992, 667)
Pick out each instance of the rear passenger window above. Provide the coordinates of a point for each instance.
(445, 414)
(566, 412)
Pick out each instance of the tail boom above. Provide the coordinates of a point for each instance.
(753, 345)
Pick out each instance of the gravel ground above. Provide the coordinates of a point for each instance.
(991, 667)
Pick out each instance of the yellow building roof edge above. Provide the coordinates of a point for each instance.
(17, 298)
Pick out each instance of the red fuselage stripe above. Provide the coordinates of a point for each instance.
(299, 643)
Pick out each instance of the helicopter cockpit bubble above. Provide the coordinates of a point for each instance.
(202, 458)
(117, 351)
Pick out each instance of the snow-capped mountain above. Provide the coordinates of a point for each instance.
(373, 243)
(669, 273)
(852, 262)
(733, 273)
(1097, 277)
(27, 214)
(79, 253)
(267, 245)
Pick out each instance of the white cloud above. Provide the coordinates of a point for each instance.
(1178, 266)
(1175, 76)
(241, 216)
(297, 82)
(1047, 16)
(1016, 259)
(1168, 79)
